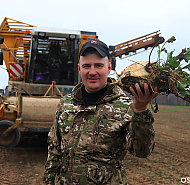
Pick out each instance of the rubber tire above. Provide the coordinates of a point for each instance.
(12, 138)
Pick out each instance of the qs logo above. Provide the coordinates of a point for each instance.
(185, 180)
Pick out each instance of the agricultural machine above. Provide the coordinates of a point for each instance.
(42, 67)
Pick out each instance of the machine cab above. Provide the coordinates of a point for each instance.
(54, 56)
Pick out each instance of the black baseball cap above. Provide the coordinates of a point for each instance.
(100, 46)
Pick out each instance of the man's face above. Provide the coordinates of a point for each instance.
(94, 71)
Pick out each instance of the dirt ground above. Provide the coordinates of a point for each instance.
(169, 162)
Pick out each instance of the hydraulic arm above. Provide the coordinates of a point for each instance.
(130, 47)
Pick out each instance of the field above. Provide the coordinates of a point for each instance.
(169, 162)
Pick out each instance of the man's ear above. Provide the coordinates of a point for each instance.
(79, 68)
(109, 67)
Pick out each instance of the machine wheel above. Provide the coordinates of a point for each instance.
(12, 138)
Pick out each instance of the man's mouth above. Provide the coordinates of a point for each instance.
(92, 79)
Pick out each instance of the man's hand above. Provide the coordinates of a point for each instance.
(141, 100)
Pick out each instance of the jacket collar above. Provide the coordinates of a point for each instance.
(112, 92)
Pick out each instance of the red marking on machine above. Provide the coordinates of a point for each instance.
(93, 41)
(16, 70)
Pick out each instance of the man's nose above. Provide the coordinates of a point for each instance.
(92, 71)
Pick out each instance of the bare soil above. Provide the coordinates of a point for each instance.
(169, 162)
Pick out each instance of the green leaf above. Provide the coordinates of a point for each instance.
(187, 55)
(180, 85)
(172, 61)
(183, 93)
(169, 56)
(171, 39)
(175, 63)
(186, 82)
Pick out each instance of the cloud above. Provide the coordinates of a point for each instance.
(114, 21)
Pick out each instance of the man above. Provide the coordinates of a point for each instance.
(96, 125)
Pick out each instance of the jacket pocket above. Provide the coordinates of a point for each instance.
(98, 175)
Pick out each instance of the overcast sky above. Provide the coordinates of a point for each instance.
(115, 21)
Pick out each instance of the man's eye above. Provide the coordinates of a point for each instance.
(100, 65)
(86, 66)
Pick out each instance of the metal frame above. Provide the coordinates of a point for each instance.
(17, 46)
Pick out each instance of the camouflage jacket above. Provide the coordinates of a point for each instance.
(86, 145)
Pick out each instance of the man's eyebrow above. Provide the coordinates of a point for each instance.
(98, 63)
(85, 64)
(102, 64)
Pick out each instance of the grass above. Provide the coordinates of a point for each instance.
(187, 107)
(173, 106)
(174, 110)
